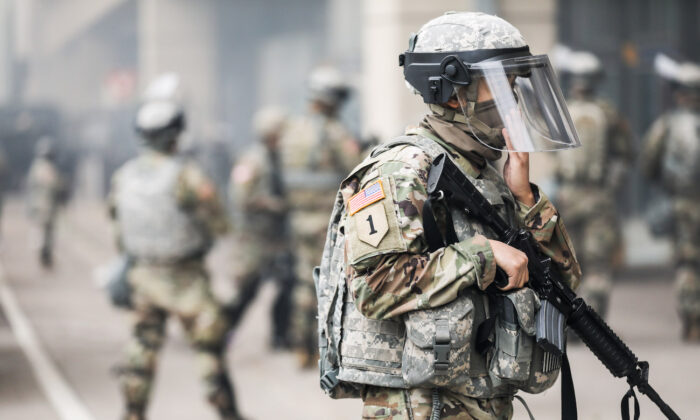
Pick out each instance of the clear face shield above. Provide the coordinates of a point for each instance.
(517, 106)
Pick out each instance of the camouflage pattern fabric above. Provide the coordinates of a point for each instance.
(595, 171)
(674, 129)
(180, 289)
(399, 404)
(397, 278)
(262, 243)
(478, 31)
(317, 152)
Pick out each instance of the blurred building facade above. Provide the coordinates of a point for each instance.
(86, 61)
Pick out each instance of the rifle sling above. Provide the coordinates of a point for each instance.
(568, 394)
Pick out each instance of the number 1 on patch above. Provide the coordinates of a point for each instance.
(371, 224)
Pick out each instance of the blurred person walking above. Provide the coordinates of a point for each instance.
(590, 178)
(671, 158)
(45, 191)
(262, 226)
(317, 152)
(167, 214)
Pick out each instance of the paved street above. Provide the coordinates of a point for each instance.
(83, 337)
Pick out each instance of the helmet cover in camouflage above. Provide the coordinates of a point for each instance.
(466, 31)
(327, 85)
(160, 122)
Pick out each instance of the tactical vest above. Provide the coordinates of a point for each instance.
(312, 169)
(427, 348)
(153, 225)
(681, 159)
(587, 165)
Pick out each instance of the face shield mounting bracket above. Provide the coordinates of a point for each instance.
(435, 74)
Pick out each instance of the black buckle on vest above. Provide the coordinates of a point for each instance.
(441, 346)
(329, 380)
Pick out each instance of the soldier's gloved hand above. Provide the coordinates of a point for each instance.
(513, 261)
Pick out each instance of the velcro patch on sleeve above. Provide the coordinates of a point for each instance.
(369, 195)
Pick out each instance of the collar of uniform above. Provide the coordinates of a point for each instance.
(464, 163)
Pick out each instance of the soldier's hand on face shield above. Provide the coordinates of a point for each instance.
(516, 173)
(513, 262)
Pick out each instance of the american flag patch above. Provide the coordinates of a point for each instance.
(371, 194)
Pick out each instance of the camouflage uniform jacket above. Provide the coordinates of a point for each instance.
(597, 169)
(671, 153)
(393, 278)
(317, 152)
(260, 210)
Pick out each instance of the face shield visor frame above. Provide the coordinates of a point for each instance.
(525, 100)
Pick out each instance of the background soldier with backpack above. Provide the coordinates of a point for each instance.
(167, 214)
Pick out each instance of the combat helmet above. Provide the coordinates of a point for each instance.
(582, 68)
(452, 55)
(160, 122)
(327, 86)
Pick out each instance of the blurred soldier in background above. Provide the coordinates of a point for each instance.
(671, 157)
(167, 213)
(589, 178)
(262, 225)
(317, 152)
(45, 189)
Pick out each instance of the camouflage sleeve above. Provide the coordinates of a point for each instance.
(547, 227)
(346, 145)
(246, 187)
(650, 159)
(620, 149)
(197, 193)
(398, 275)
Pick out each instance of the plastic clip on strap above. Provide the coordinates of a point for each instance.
(441, 346)
(329, 380)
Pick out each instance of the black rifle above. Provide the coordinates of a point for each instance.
(446, 182)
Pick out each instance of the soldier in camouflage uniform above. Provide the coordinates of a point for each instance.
(45, 188)
(671, 157)
(405, 295)
(167, 213)
(317, 152)
(595, 172)
(263, 249)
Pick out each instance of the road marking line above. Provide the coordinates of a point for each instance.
(59, 393)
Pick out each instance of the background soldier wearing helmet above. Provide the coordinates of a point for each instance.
(595, 172)
(467, 67)
(262, 225)
(671, 157)
(167, 213)
(317, 152)
(45, 190)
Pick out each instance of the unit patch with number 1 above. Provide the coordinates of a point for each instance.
(372, 224)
